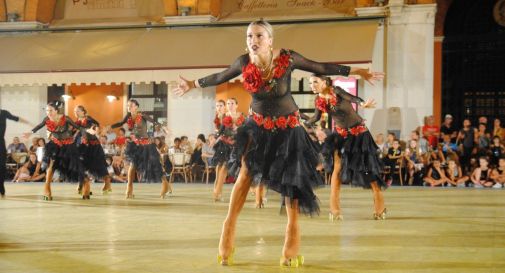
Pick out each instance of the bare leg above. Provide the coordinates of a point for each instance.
(292, 239)
(378, 198)
(259, 194)
(86, 188)
(335, 188)
(221, 177)
(237, 200)
(164, 186)
(49, 178)
(129, 185)
(107, 184)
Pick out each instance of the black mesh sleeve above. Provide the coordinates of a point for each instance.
(148, 118)
(10, 116)
(346, 96)
(315, 117)
(119, 124)
(300, 62)
(231, 72)
(38, 127)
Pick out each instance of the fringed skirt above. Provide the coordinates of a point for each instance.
(222, 151)
(144, 156)
(93, 158)
(360, 162)
(283, 158)
(66, 159)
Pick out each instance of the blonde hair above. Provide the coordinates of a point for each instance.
(264, 24)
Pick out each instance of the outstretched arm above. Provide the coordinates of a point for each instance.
(314, 118)
(231, 72)
(119, 124)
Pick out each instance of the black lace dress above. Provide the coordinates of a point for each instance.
(227, 129)
(62, 148)
(91, 151)
(277, 150)
(140, 151)
(361, 164)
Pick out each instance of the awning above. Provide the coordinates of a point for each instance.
(156, 55)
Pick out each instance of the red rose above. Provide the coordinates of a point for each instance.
(357, 130)
(281, 122)
(130, 123)
(50, 125)
(333, 100)
(217, 122)
(258, 119)
(252, 78)
(228, 121)
(268, 123)
(342, 132)
(321, 104)
(293, 121)
(240, 120)
(281, 64)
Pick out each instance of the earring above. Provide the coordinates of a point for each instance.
(271, 49)
(246, 50)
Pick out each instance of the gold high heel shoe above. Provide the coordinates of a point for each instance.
(218, 198)
(335, 217)
(380, 216)
(226, 261)
(292, 262)
(47, 198)
(130, 196)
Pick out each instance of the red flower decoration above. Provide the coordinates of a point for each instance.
(293, 121)
(82, 123)
(258, 119)
(131, 123)
(321, 104)
(51, 125)
(281, 65)
(252, 78)
(333, 100)
(228, 121)
(217, 122)
(341, 131)
(240, 120)
(356, 130)
(281, 122)
(268, 123)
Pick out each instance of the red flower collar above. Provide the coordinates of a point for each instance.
(51, 125)
(131, 123)
(324, 104)
(252, 75)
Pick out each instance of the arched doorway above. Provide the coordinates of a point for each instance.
(473, 70)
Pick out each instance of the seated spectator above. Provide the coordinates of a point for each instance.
(35, 145)
(394, 155)
(422, 143)
(498, 131)
(455, 174)
(120, 140)
(431, 131)
(497, 150)
(185, 145)
(163, 150)
(208, 149)
(196, 157)
(481, 176)
(414, 160)
(16, 146)
(159, 131)
(108, 149)
(436, 176)
(389, 142)
(483, 140)
(111, 136)
(379, 140)
(498, 174)
(177, 147)
(119, 169)
(30, 171)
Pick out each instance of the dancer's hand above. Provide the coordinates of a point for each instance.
(92, 130)
(370, 76)
(27, 135)
(184, 86)
(369, 103)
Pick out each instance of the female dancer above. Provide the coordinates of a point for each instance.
(271, 147)
(220, 158)
(92, 153)
(60, 152)
(231, 120)
(141, 152)
(359, 162)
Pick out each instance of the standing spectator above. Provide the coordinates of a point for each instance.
(483, 140)
(208, 149)
(497, 150)
(481, 176)
(414, 159)
(498, 130)
(468, 138)
(16, 146)
(422, 143)
(498, 174)
(448, 128)
(431, 132)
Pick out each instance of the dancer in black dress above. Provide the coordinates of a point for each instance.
(141, 151)
(271, 147)
(92, 153)
(350, 147)
(61, 152)
(4, 116)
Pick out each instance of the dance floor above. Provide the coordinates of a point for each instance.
(427, 230)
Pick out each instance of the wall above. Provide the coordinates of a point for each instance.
(234, 90)
(32, 108)
(94, 99)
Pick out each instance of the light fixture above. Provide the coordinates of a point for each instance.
(112, 98)
(67, 97)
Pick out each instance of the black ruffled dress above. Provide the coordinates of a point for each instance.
(227, 129)
(276, 148)
(91, 151)
(361, 164)
(140, 150)
(62, 149)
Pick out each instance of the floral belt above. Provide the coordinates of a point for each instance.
(141, 141)
(85, 141)
(61, 142)
(281, 122)
(356, 130)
